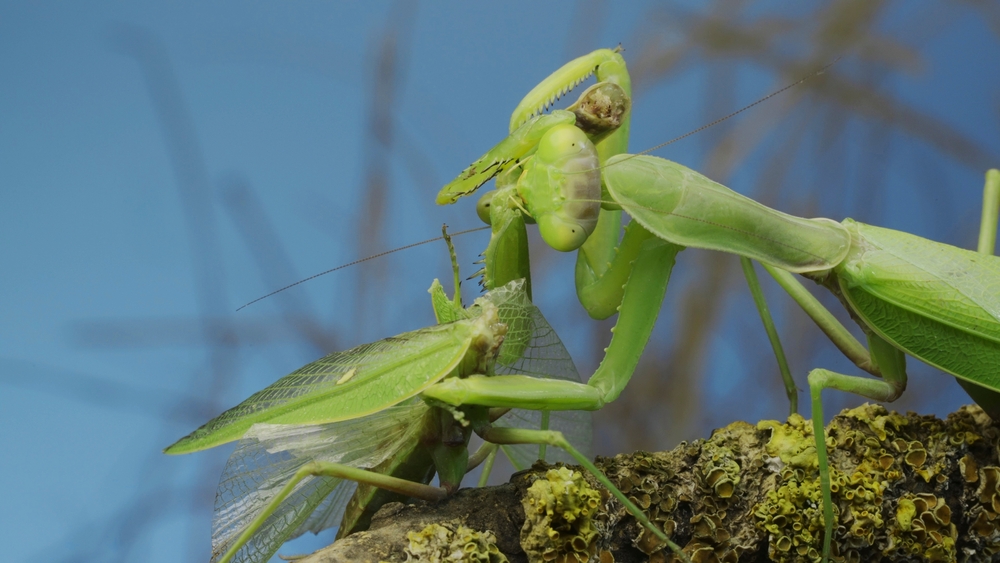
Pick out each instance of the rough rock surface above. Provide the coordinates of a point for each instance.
(906, 488)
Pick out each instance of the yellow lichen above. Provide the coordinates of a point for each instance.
(558, 524)
(721, 472)
(874, 454)
(443, 544)
(923, 528)
(792, 442)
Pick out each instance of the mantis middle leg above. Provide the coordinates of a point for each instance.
(885, 361)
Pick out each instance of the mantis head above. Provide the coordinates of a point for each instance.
(558, 187)
(548, 167)
(561, 187)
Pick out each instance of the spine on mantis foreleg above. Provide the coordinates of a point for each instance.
(607, 64)
(509, 153)
(686, 208)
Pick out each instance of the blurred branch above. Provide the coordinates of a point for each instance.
(104, 393)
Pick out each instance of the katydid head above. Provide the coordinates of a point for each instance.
(561, 187)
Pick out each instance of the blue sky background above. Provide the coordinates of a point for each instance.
(127, 245)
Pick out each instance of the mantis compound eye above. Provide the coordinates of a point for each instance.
(561, 187)
(483, 206)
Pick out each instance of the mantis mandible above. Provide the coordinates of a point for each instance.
(567, 172)
(365, 416)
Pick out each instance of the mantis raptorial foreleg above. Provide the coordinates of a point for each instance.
(650, 273)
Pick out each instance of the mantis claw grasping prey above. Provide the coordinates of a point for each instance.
(372, 416)
(909, 295)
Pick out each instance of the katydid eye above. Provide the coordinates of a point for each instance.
(483, 206)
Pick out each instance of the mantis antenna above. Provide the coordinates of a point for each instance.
(355, 262)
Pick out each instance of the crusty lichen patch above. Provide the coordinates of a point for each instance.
(697, 494)
(890, 477)
(558, 525)
(446, 544)
(905, 488)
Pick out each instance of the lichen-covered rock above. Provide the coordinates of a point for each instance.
(906, 488)
(698, 494)
(558, 518)
(443, 544)
(890, 477)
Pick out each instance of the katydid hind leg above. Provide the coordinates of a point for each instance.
(336, 470)
(556, 439)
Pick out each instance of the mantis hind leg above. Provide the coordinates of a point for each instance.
(318, 468)
(987, 399)
(893, 366)
(556, 439)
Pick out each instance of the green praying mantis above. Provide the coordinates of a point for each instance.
(567, 172)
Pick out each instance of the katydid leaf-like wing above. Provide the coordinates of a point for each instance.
(533, 348)
(343, 385)
(270, 454)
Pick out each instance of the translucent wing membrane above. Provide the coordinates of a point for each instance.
(343, 385)
(533, 348)
(270, 455)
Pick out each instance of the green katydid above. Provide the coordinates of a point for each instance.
(938, 303)
(357, 416)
